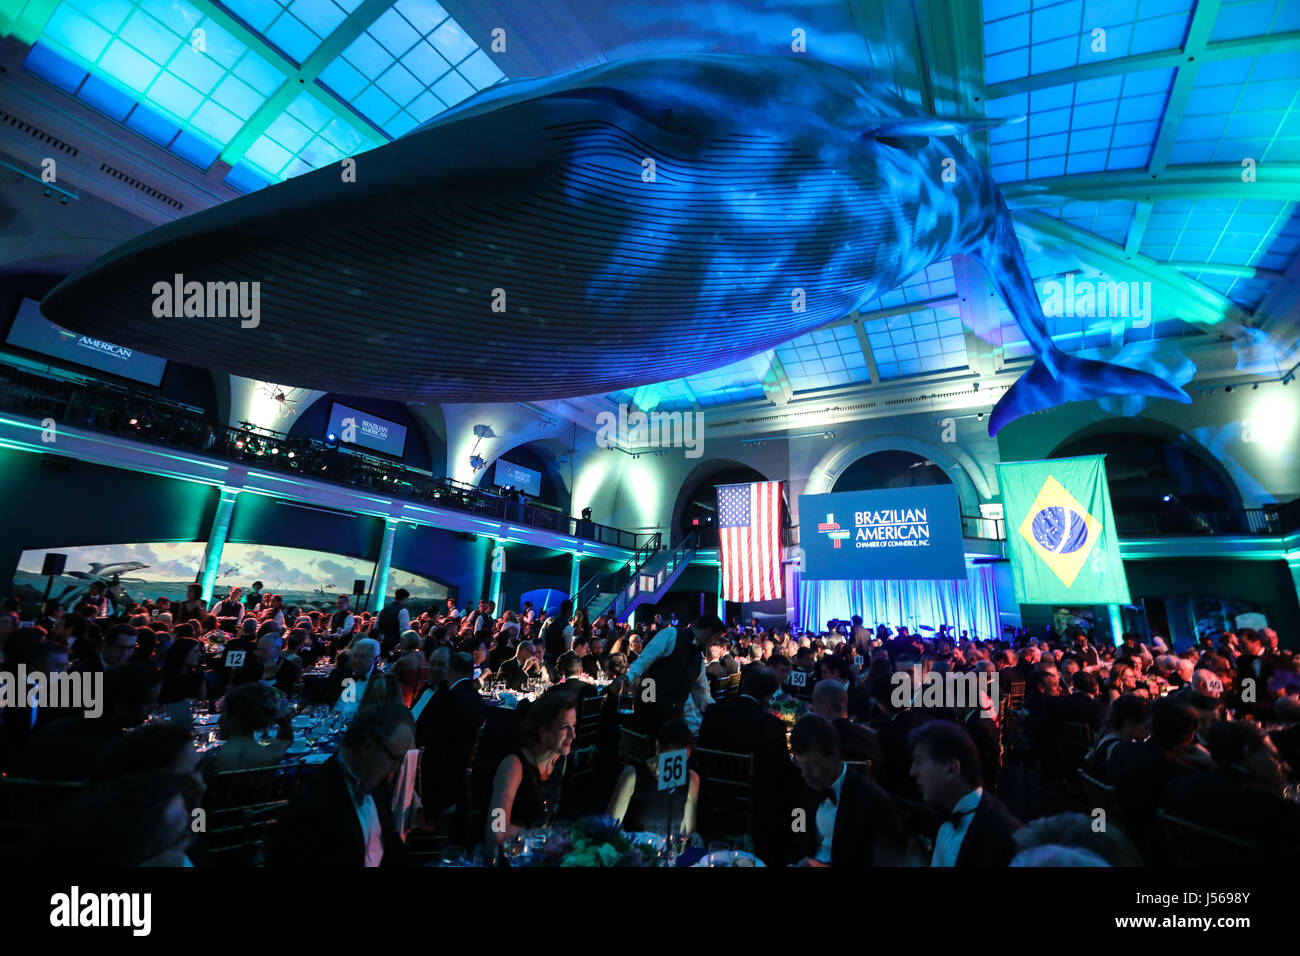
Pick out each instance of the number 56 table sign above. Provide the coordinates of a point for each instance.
(672, 769)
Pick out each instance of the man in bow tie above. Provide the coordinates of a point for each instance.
(976, 828)
(845, 819)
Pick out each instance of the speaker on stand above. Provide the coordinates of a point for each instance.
(52, 567)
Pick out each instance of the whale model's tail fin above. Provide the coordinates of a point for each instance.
(1075, 379)
(1055, 377)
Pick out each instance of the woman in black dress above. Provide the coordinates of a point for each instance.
(527, 788)
(639, 803)
(182, 675)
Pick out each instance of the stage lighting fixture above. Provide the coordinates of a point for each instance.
(275, 450)
(1227, 388)
(586, 514)
(291, 454)
(133, 421)
(979, 417)
(48, 192)
(239, 443)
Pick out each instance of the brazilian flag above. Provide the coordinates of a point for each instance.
(1061, 532)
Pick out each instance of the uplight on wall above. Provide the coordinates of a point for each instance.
(1272, 420)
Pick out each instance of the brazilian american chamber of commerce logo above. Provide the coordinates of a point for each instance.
(1060, 530)
(832, 530)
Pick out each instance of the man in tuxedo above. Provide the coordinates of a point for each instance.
(1255, 667)
(741, 724)
(342, 815)
(976, 829)
(569, 667)
(830, 700)
(115, 649)
(848, 820)
(352, 677)
(447, 729)
(267, 664)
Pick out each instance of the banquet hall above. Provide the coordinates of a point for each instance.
(590, 433)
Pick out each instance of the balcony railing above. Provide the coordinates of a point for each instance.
(118, 410)
(1186, 522)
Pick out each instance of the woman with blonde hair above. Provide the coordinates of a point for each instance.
(381, 687)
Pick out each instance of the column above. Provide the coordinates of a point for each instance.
(383, 563)
(575, 581)
(1116, 624)
(1293, 562)
(217, 541)
(722, 605)
(498, 569)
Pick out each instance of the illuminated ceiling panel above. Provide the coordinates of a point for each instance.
(824, 358)
(412, 63)
(296, 27)
(1023, 37)
(142, 63)
(1249, 18)
(1243, 108)
(738, 382)
(931, 340)
(1110, 220)
(1084, 127)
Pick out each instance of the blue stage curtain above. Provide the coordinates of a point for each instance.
(970, 605)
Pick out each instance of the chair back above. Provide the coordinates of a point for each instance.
(240, 805)
(726, 792)
(582, 755)
(1074, 740)
(1192, 844)
(727, 686)
(25, 805)
(634, 748)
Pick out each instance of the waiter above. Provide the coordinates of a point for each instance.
(669, 679)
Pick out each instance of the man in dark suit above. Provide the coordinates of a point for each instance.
(975, 828)
(448, 730)
(741, 724)
(847, 820)
(1140, 771)
(360, 665)
(1255, 668)
(1085, 705)
(342, 815)
(569, 666)
(526, 664)
(830, 700)
(266, 663)
(115, 649)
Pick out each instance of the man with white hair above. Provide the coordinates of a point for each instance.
(347, 682)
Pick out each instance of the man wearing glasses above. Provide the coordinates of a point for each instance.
(342, 815)
(115, 649)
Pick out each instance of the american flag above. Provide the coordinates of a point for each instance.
(749, 521)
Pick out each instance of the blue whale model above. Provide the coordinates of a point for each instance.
(615, 226)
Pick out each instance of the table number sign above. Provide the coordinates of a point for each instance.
(798, 679)
(672, 769)
(235, 658)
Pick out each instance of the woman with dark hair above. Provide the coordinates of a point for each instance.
(581, 626)
(527, 788)
(639, 804)
(182, 675)
(246, 710)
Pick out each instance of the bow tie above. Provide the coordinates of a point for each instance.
(824, 795)
(955, 817)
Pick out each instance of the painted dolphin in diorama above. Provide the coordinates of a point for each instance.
(619, 225)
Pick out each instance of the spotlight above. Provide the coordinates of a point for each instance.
(133, 421)
(275, 450)
(239, 443)
(48, 192)
(979, 417)
(291, 454)
(586, 514)
(1227, 388)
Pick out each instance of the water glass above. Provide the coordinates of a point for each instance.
(454, 856)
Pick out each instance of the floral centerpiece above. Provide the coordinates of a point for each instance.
(789, 709)
(592, 841)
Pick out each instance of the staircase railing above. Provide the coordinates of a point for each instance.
(679, 555)
(587, 593)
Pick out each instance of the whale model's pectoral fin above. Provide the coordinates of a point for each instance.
(1076, 380)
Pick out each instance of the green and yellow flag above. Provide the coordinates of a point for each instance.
(1061, 533)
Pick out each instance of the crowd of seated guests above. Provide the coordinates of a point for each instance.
(1207, 735)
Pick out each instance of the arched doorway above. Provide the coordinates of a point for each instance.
(890, 469)
(697, 508)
